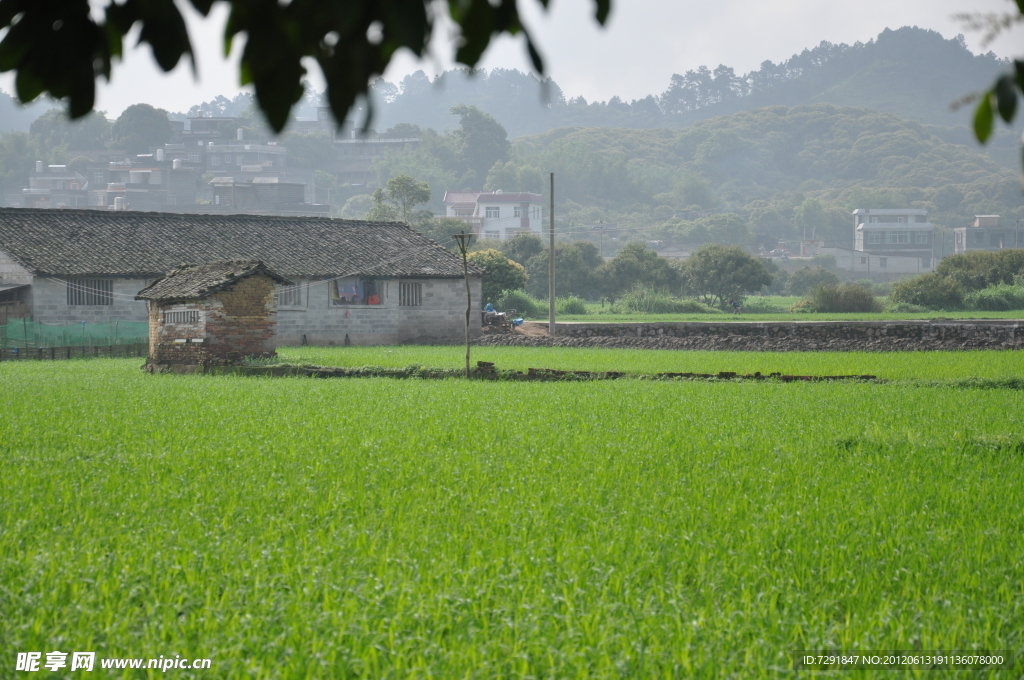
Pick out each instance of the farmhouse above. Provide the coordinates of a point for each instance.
(985, 233)
(497, 214)
(212, 313)
(353, 281)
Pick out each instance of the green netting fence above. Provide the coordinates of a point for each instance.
(22, 333)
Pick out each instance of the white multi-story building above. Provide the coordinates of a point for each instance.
(497, 214)
(890, 233)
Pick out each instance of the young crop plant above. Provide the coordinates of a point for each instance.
(297, 528)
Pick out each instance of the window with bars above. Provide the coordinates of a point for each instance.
(290, 296)
(897, 237)
(182, 316)
(91, 292)
(874, 238)
(921, 237)
(410, 294)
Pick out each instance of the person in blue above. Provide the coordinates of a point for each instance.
(735, 306)
(489, 308)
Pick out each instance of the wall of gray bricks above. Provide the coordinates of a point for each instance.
(440, 318)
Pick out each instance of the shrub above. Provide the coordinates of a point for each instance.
(803, 281)
(979, 269)
(996, 298)
(570, 305)
(929, 290)
(847, 298)
(643, 300)
(521, 302)
(501, 273)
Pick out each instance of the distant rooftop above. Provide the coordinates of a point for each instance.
(890, 211)
(496, 196)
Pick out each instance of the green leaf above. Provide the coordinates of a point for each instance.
(1006, 97)
(983, 118)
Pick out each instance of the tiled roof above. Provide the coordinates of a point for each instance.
(197, 281)
(62, 242)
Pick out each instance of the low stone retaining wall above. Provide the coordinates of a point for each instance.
(879, 336)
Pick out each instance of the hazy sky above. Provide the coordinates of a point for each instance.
(645, 42)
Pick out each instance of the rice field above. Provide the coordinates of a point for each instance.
(302, 528)
(887, 365)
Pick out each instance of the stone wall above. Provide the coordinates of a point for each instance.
(783, 335)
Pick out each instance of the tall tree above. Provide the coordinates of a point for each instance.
(480, 141)
(719, 273)
(399, 199)
(53, 129)
(140, 128)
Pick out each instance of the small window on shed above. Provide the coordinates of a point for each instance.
(90, 292)
(182, 316)
(410, 294)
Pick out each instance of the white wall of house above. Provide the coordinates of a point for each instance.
(870, 263)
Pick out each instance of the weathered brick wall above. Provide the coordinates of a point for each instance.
(165, 339)
(234, 323)
(242, 320)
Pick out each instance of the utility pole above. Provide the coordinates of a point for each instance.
(551, 264)
(463, 240)
(600, 230)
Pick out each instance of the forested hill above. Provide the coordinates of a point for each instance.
(764, 163)
(911, 72)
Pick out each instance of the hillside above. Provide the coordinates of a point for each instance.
(910, 72)
(765, 163)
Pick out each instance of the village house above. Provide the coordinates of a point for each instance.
(217, 312)
(496, 214)
(354, 282)
(903, 233)
(985, 233)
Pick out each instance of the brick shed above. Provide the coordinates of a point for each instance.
(213, 313)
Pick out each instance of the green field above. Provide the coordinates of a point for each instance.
(888, 365)
(304, 528)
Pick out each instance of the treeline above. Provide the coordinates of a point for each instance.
(715, 273)
(53, 139)
(912, 72)
(751, 178)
